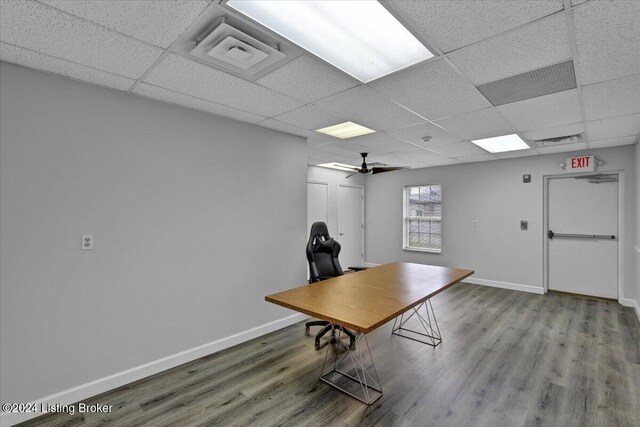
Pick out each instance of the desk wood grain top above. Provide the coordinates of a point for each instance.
(367, 299)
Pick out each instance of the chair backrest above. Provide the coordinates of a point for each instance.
(322, 254)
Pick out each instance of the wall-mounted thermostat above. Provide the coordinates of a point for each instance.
(524, 225)
(526, 178)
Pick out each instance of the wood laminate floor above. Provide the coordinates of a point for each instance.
(507, 359)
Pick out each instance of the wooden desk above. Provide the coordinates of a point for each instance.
(367, 299)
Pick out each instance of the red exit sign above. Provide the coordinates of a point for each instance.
(581, 163)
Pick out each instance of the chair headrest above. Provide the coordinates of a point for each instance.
(319, 229)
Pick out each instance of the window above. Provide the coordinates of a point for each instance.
(423, 218)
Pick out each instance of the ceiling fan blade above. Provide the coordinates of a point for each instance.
(387, 169)
(376, 164)
(351, 174)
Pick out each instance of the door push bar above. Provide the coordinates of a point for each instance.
(551, 235)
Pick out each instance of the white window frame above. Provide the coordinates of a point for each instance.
(406, 219)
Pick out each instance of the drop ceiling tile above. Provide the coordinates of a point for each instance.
(433, 90)
(444, 162)
(381, 142)
(366, 107)
(414, 134)
(613, 128)
(612, 98)
(155, 22)
(422, 156)
(478, 124)
(514, 154)
(166, 95)
(453, 24)
(612, 142)
(607, 39)
(459, 149)
(308, 79)
(45, 30)
(547, 111)
(533, 46)
(30, 59)
(309, 117)
(195, 79)
(321, 156)
(346, 148)
(284, 127)
(474, 159)
(312, 141)
(563, 148)
(554, 132)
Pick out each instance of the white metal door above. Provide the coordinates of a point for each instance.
(317, 203)
(583, 250)
(350, 225)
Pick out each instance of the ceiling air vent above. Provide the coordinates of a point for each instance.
(543, 81)
(228, 48)
(560, 140)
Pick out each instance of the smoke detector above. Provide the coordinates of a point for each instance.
(230, 49)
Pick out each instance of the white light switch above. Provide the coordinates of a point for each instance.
(475, 222)
(87, 242)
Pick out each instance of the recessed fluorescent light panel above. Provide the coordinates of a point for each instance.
(359, 37)
(500, 144)
(339, 166)
(346, 130)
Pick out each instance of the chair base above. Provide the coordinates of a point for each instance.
(330, 327)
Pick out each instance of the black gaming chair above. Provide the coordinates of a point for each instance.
(322, 255)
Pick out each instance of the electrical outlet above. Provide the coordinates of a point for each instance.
(524, 225)
(87, 242)
(475, 222)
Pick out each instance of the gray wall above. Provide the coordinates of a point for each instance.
(637, 220)
(195, 219)
(493, 193)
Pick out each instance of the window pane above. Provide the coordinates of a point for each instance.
(424, 201)
(414, 240)
(414, 194)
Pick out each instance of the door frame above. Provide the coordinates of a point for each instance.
(361, 218)
(545, 225)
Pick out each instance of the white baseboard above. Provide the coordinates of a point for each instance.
(505, 285)
(371, 264)
(110, 382)
(628, 302)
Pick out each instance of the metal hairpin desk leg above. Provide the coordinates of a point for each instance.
(353, 367)
(431, 335)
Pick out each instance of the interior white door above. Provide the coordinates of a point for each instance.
(317, 203)
(350, 225)
(586, 261)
